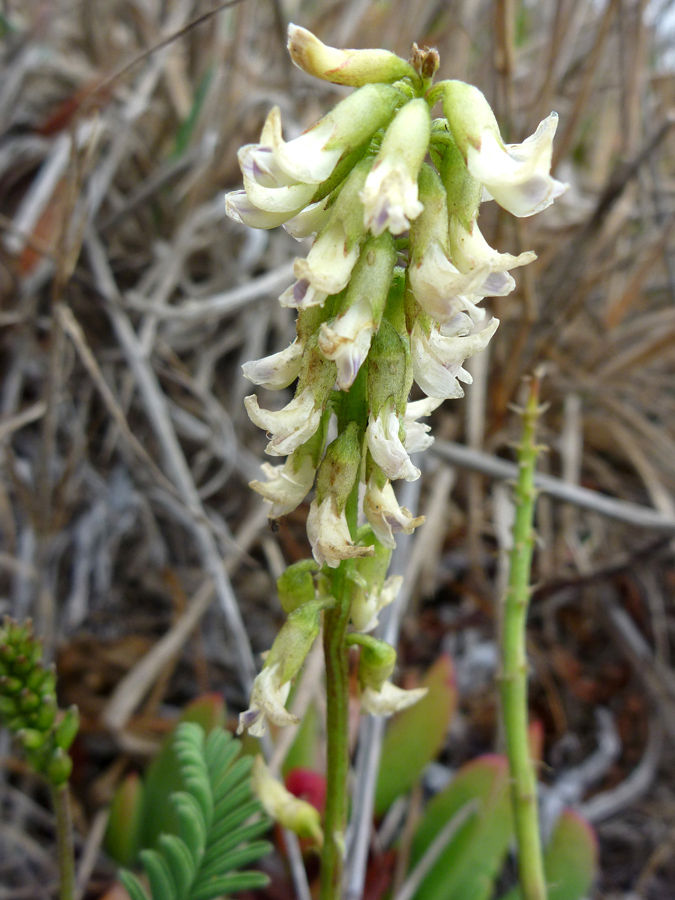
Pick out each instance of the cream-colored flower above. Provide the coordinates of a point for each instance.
(471, 252)
(437, 358)
(390, 194)
(389, 699)
(328, 533)
(268, 701)
(385, 515)
(442, 290)
(417, 437)
(518, 176)
(386, 447)
(239, 207)
(276, 371)
(288, 427)
(347, 340)
(368, 601)
(286, 487)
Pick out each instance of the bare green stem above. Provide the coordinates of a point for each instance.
(514, 664)
(64, 842)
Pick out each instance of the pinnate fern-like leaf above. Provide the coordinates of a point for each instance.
(218, 820)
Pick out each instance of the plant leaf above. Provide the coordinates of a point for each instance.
(467, 868)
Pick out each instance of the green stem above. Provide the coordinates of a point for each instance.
(514, 665)
(337, 730)
(352, 409)
(64, 842)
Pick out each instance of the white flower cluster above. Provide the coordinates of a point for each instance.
(390, 290)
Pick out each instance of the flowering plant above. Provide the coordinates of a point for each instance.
(388, 296)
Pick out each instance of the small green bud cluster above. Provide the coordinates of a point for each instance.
(28, 705)
(389, 292)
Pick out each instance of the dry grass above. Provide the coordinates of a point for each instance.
(129, 302)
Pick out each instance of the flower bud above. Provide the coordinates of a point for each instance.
(389, 373)
(390, 193)
(295, 586)
(67, 728)
(376, 662)
(346, 339)
(59, 768)
(383, 434)
(517, 176)
(291, 812)
(349, 67)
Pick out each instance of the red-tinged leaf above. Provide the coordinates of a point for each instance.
(89, 95)
(308, 785)
(570, 860)
(415, 736)
(47, 231)
(124, 822)
(468, 866)
(379, 875)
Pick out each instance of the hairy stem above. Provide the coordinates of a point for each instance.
(353, 409)
(514, 665)
(64, 842)
(337, 729)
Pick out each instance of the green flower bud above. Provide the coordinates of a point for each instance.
(389, 372)
(291, 812)
(46, 714)
(31, 738)
(296, 585)
(376, 662)
(59, 768)
(66, 730)
(350, 67)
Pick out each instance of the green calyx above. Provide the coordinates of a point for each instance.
(376, 662)
(340, 467)
(296, 585)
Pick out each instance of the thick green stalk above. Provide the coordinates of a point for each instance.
(64, 842)
(514, 665)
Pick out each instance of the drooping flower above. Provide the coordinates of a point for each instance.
(328, 266)
(437, 357)
(289, 427)
(272, 686)
(328, 533)
(517, 176)
(417, 437)
(278, 370)
(390, 194)
(268, 702)
(472, 253)
(389, 699)
(386, 446)
(347, 338)
(437, 284)
(311, 158)
(384, 514)
(286, 486)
